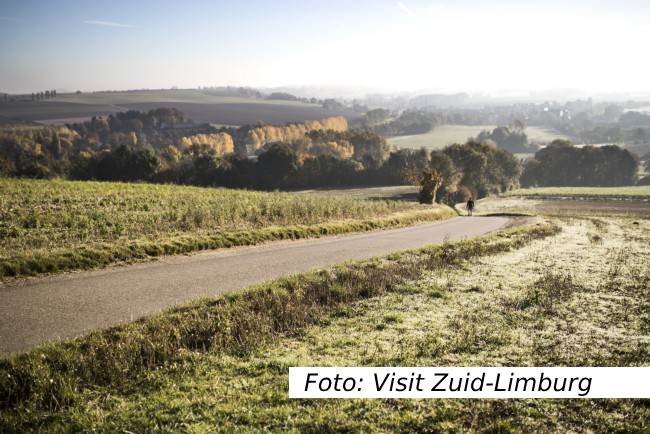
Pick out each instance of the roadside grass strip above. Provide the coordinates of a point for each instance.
(119, 360)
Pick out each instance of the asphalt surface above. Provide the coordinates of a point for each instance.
(45, 309)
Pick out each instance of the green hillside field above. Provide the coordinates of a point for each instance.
(201, 106)
(445, 135)
(50, 226)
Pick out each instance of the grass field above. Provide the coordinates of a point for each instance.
(198, 105)
(168, 95)
(397, 192)
(515, 298)
(606, 192)
(42, 110)
(631, 202)
(49, 226)
(274, 113)
(447, 134)
(595, 207)
(80, 383)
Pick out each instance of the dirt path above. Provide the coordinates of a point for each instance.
(45, 309)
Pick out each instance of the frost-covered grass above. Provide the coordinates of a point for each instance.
(76, 383)
(565, 207)
(530, 296)
(575, 299)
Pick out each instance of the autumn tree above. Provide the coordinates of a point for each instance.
(429, 182)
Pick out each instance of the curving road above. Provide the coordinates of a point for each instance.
(45, 309)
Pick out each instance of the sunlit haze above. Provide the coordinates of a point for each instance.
(499, 47)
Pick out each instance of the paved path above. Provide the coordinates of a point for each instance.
(44, 309)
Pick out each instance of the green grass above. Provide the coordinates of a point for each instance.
(165, 95)
(223, 365)
(564, 206)
(200, 106)
(54, 109)
(398, 192)
(528, 296)
(102, 381)
(50, 226)
(445, 135)
(631, 191)
(571, 293)
(440, 136)
(543, 135)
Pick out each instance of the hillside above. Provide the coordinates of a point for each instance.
(202, 106)
(49, 226)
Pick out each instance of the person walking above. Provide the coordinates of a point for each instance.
(470, 206)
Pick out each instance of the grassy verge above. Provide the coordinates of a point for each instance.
(550, 302)
(51, 226)
(42, 387)
(576, 299)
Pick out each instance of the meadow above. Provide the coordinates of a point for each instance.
(641, 192)
(198, 105)
(50, 226)
(244, 113)
(569, 202)
(57, 384)
(516, 298)
(445, 135)
(31, 111)
(395, 192)
(167, 95)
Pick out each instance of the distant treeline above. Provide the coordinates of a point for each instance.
(409, 122)
(163, 146)
(35, 96)
(584, 121)
(512, 138)
(563, 164)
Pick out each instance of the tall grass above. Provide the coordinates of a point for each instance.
(51, 377)
(47, 226)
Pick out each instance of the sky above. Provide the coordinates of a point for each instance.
(494, 47)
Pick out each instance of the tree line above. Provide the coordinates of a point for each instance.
(563, 164)
(512, 138)
(163, 146)
(44, 95)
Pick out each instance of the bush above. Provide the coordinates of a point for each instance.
(425, 196)
(463, 194)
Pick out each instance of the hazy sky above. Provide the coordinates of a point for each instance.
(463, 45)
